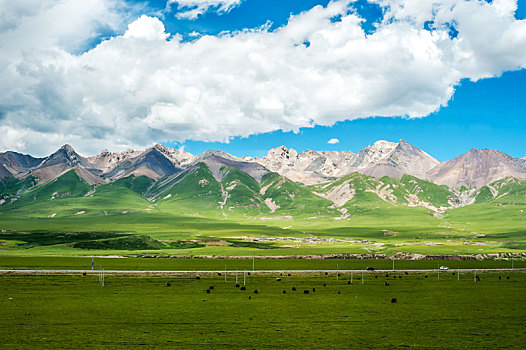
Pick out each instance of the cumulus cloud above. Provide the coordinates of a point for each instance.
(147, 28)
(333, 141)
(191, 9)
(146, 85)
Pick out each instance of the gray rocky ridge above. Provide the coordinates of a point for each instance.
(477, 168)
(473, 169)
(383, 158)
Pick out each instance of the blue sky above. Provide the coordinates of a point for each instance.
(245, 76)
(254, 13)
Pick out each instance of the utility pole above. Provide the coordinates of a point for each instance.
(253, 260)
(92, 262)
(393, 264)
(101, 276)
(244, 278)
(362, 277)
(458, 273)
(236, 276)
(337, 272)
(225, 273)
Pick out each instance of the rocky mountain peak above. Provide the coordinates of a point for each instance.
(64, 159)
(477, 168)
(65, 154)
(383, 146)
(406, 146)
(178, 157)
(13, 163)
(484, 154)
(280, 152)
(380, 150)
(109, 158)
(161, 148)
(67, 147)
(217, 153)
(383, 158)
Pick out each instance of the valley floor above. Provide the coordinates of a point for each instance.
(194, 214)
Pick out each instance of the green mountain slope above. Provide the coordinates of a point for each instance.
(139, 185)
(227, 211)
(195, 189)
(11, 188)
(240, 191)
(426, 191)
(68, 185)
(363, 190)
(285, 196)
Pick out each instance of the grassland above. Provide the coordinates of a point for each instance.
(386, 230)
(191, 214)
(50, 312)
(373, 233)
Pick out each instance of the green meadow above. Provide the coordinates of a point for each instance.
(75, 311)
(192, 214)
(161, 231)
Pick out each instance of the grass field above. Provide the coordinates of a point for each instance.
(194, 217)
(50, 312)
(388, 232)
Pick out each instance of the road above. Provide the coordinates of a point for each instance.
(232, 272)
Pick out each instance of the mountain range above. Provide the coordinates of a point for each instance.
(393, 172)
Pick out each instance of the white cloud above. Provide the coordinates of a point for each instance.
(191, 9)
(148, 28)
(333, 141)
(145, 86)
